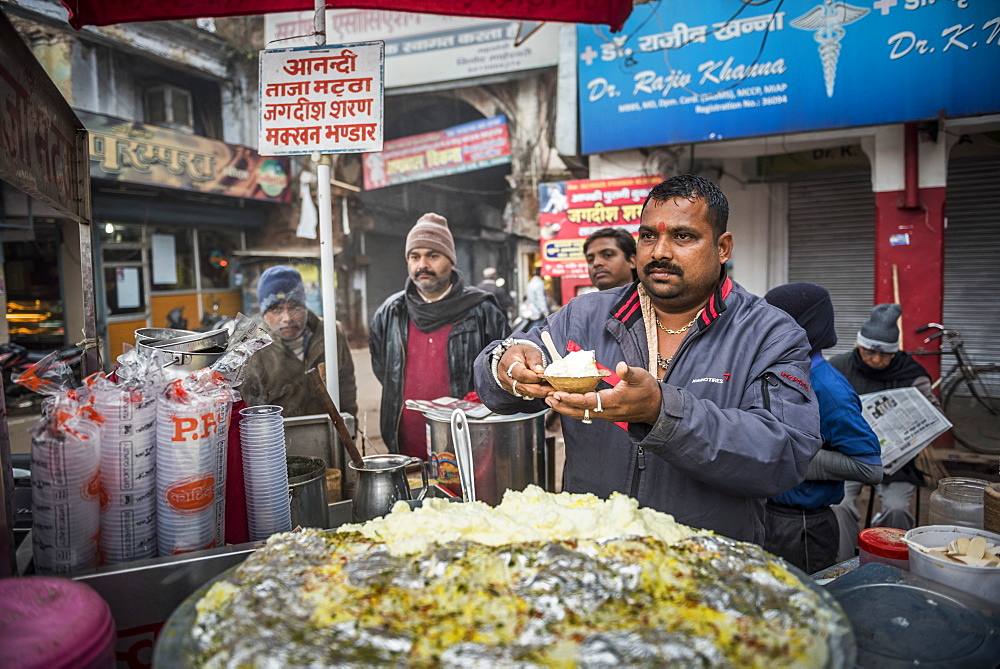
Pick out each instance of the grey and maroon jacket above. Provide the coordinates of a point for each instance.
(738, 419)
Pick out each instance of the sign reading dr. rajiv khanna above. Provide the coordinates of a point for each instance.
(719, 69)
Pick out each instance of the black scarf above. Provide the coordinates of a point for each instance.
(901, 371)
(429, 316)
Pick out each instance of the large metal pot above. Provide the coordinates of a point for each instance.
(179, 356)
(507, 452)
(159, 334)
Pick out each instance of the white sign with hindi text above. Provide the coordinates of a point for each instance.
(325, 99)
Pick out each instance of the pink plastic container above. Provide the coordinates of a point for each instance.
(883, 544)
(52, 623)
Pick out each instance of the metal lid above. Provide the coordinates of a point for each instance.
(191, 342)
(884, 542)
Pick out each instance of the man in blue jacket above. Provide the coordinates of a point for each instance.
(708, 410)
(801, 527)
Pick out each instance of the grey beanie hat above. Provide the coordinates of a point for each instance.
(879, 332)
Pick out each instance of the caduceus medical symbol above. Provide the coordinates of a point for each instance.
(828, 21)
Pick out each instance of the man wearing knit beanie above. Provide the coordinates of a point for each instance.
(877, 364)
(800, 525)
(276, 374)
(425, 338)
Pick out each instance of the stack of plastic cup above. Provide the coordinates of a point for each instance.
(65, 500)
(186, 461)
(128, 474)
(265, 471)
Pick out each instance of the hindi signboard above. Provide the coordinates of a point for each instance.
(684, 71)
(133, 152)
(569, 211)
(325, 99)
(904, 421)
(461, 148)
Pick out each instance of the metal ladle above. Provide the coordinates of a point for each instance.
(463, 454)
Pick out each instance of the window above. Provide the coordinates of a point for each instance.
(170, 107)
(172, 254)
(216, 261)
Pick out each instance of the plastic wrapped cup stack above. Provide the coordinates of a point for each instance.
(186, 469)
(128, 474)
(265, 471)
(65, 499)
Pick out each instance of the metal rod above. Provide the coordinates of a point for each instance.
(327, 271)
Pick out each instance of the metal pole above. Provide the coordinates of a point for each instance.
(327, 271)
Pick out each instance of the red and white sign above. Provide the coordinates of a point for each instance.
(569, 211)
(461, 148)
(325, 99)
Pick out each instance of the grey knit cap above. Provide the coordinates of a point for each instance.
(879, 332)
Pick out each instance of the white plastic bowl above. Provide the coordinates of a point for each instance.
(983, 582)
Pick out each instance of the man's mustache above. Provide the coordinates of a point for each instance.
(423, 272)
(666, 266)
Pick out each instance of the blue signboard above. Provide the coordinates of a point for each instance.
(684, 71)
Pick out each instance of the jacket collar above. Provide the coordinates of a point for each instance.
(628, 312)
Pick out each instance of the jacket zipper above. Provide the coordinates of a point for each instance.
(640, 465)
(402, 349)
(769, 379)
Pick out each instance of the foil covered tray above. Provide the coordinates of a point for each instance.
(570, 577)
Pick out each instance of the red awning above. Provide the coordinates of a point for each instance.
(105, 12)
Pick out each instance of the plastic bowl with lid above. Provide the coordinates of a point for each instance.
(885, 545)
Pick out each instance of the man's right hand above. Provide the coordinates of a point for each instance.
(518, 372)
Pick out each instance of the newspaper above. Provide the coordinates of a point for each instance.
(905, 423)
(443, 407)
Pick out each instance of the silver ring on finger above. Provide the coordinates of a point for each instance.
(599, 408)
(586, 416)
(511, 368)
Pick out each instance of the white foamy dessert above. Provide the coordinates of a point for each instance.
(525, 516)
(575, 364)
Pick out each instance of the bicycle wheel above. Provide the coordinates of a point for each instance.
(974, 409)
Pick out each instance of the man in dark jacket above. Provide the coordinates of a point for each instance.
(708, 408)
(424, 339)
(876, 364)
(276, 374)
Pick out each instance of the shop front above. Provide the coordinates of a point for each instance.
(171, 213)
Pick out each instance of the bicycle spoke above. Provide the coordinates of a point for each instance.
(970, 406)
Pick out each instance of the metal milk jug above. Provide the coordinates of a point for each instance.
(382, 483)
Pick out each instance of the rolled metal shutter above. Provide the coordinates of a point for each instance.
(831, 242)
(972, 256)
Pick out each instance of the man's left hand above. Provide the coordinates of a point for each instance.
(635, 399)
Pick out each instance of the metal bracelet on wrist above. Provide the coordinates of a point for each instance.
(498, 352)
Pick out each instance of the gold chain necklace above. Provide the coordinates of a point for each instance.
(675, 332)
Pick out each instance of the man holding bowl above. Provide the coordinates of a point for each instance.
(708, 409)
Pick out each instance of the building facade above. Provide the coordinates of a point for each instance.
(176, 187)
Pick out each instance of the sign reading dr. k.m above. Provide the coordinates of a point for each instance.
(719, 69)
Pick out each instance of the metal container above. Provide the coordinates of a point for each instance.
(382, 482)
(307, 491)
(159, 334)
(196, 341)
(508, 452)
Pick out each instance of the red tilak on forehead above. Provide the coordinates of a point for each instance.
(662, 227)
